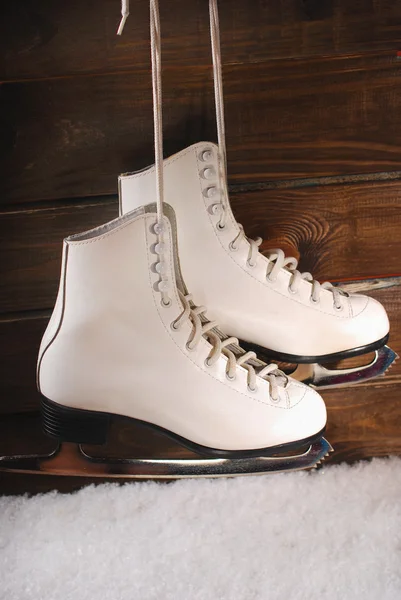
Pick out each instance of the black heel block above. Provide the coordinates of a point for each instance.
(73, 424)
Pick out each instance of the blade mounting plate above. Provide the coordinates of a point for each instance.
(320, 377)
(71, 460)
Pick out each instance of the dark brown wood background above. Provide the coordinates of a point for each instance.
(313, 110)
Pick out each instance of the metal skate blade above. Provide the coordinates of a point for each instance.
(320, 377)
(71, 460)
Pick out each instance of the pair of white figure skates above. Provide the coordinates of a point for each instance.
(126, 339)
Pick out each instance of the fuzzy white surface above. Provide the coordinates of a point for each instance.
(333, 534)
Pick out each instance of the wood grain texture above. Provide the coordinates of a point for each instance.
(19, 346)
(341, 232)
(285, 120)
(20, 339)
(47, 38)
(31, 247)
(364, 422)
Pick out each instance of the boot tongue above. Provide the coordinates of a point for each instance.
(170, 214)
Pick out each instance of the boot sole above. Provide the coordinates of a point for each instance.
(322, 358)
(91, 427)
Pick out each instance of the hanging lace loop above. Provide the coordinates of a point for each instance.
(219, 98)
(155, 53)
(124, 15)
(276, 257)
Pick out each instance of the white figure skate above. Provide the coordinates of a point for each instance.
(283, 314)
(123, 341)
(126, 340)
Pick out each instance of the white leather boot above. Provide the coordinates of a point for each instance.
(117, 345)
(263, 300)
(124, 341)
(259, 299)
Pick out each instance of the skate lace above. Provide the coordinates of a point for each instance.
(276, 257)
(278, 260)
(164, 284)
(201, 329)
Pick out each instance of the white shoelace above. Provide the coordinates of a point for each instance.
(207, 329)
(191, 313)
(277, 259)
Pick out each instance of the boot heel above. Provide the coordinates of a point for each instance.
(74, 425)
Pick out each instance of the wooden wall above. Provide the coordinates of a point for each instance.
(313, 110)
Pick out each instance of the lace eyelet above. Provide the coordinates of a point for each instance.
(275, 400)
(160, 267)
(207, 363)
(250, 265)
(174, 326)
(251, 389)
(220, 227)
(163, 285)
(313, 301)
(189, 347)
(338, 308)
(159, 248)
(208, 173)
(291, 291)
(210, 192)
(157, 228)
(271, 279)
(166, 304)
(232, 247)
(206, 155)
(229, 377)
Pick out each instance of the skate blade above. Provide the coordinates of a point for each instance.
(320, 377)
(71, 460)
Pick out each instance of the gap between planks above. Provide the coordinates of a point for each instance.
(143, 67)
(43, 205)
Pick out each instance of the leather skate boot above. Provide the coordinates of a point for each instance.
(119, 344)
(125, 342)
(263, 300)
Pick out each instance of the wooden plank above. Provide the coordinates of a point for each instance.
(341, 232)
(31, 243)
(19, 346)
(45, 38)
(286, 119)
(20, 339)
(363, 422)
